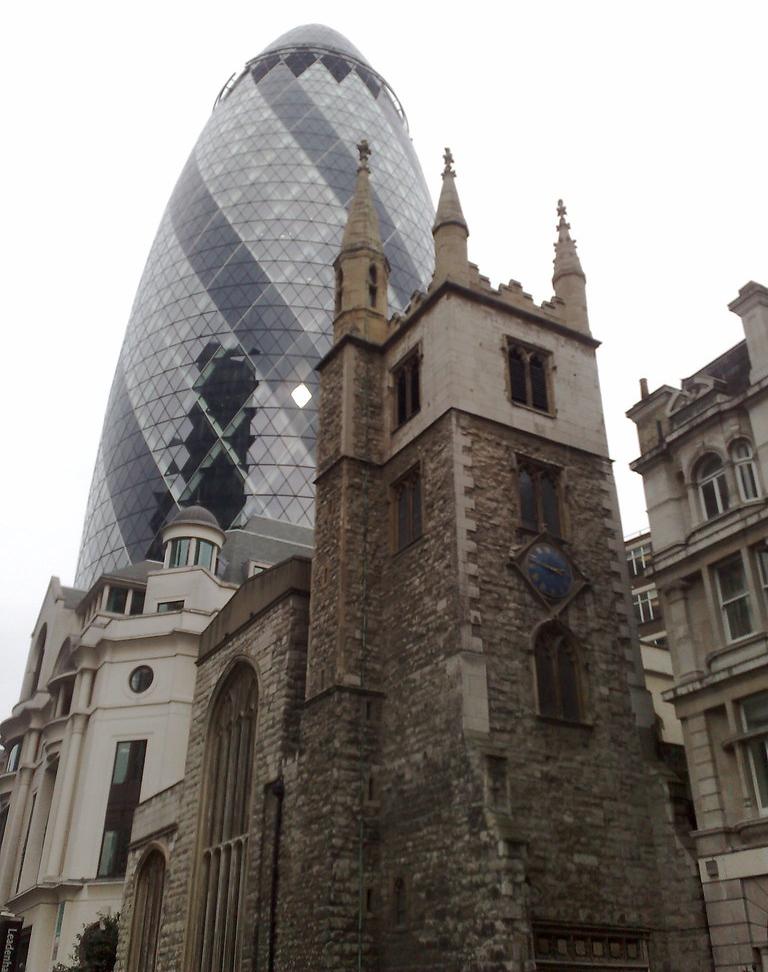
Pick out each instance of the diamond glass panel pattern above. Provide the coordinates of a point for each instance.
(234, 308)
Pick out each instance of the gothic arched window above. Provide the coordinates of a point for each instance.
(373, 285)
(539, 495)
(225, 823)
(529, 375)
(148, 902)
(557, 677)
(518, 376)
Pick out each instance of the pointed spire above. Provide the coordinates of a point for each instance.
(362, 270)
(568, 278)
(450, 230)
(362, 227)
(566, 258)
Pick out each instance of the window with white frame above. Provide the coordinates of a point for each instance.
(754, 713)
(639, 559)
(646, 604)
(713, 488)
(179, 556)
(746, 474)
(734, 598)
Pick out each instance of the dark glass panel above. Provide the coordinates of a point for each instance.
(709, 495)
(402, 396)
(517, 379)
(415, 387)
(117, 599)
(538, 372)
(550, 504)
(299, 61)
(545, 677)
(338, 67)
(165, 606)
(123, 797)
(568, 680)
(137, 602)
(529, 514)
(204, 554)
(709, 466)
(179, 552)
(14, 756)
(3, 822)
(416, 507)
(141, 678)
(370, 80)
(403, 526)
(263, 67)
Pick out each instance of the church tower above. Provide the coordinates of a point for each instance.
(455, 769)
(475, 737)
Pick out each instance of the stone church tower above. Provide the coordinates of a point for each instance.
(441, 755)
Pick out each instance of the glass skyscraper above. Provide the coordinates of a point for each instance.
(214, 396)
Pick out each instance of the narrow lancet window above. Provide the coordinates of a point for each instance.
(225, 822)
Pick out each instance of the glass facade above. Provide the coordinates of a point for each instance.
(234, 308)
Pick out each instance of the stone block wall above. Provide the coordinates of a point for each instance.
(274, 642)
(154, 826)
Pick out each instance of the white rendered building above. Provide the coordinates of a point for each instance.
(103, 720)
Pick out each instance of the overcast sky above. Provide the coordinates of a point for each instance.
(648, 119)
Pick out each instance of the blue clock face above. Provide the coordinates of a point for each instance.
(549, 571)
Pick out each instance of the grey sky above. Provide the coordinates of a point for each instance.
(647, 119)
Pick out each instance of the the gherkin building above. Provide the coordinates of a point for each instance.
(213, 400)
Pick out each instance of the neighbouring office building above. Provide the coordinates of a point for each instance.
(704, 463)
(654, 647)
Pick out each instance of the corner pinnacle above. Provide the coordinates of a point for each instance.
(364, 153)
(566, 258)
(362, 227)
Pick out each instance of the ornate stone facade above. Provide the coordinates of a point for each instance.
(704, 462)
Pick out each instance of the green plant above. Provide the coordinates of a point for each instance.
(95, 947)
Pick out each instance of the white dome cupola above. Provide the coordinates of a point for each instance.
(193, 538)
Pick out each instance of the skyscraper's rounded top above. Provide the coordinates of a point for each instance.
(316, 36)
(236, 304)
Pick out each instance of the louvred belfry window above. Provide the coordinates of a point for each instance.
(557, 678)
(539, 496)
(407, 381)
(407, 509)
(225, 824)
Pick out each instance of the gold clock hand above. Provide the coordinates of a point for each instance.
(546, 566)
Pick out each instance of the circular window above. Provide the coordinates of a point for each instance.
(141, 678)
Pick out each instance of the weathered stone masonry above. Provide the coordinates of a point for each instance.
(412, 809)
